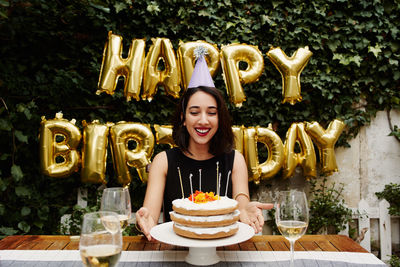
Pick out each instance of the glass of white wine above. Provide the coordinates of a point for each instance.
(291, 217)
(118, 200)
(101, 239)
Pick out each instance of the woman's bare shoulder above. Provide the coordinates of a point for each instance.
(160, 156)
(160, 162)
(238, 155)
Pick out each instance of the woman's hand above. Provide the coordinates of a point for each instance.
(252, 214)
(145, 222)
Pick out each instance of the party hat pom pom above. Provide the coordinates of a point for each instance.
(200, 51)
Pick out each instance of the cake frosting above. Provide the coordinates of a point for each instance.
(213, 218)
(205, 216)
(222, 205)
(208, 230)
(205, 221)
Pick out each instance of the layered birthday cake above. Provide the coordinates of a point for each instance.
(205, 216)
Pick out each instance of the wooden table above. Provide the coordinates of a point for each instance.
(267, 250)
(338, 243)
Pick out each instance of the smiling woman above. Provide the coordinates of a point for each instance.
(206, 107)
(201, 119)
(204, 158)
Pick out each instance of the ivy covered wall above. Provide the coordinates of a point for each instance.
(51, 53)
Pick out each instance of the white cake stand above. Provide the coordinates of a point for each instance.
(201, 252)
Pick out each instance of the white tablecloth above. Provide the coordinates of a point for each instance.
(11, 258)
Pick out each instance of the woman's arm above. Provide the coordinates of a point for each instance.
(147, 216)
(240, 181)
(250, 212)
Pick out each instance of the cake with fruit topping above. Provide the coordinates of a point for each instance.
(205, 216)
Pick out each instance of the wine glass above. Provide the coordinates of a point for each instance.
(101, 239)
(291, 217)
(118, 200)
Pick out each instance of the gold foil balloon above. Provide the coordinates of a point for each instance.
(164, 134)
(231, 56)
(94, 152)
(325, 141)
(274, 144)
(251, 154)
(239, 137)
(187, 59)
(114, 66)
(290, 158)
(122, 134)
(169, 77)
(290, 69)
(306, 157)
(59, 139)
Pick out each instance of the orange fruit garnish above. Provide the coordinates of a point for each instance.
(201, 197)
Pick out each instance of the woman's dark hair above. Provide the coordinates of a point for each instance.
(223, 139)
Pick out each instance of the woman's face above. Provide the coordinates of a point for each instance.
(201, 118)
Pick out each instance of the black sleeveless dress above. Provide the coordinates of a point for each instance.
(189, 166)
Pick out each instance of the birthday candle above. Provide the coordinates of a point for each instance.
(191, 186)
(200, 178)
(217, 175)
(219, 185)
(227, 183)
(180, 179)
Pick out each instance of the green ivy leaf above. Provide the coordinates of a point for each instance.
(396, 75)
(346, 60)
(21, 137)
(333, 44)
(3, 14)
(153, 8)
(228, 2)
(16, 172)
(229, 24)
(39, 224)
(375, 50)
(28, 113)
(4, 156)
(24, 226)
(119, 7)
(3, 185)
(394, 62)
(5, 125)
(22, 191)
(204, 13)
(5, 3)
(276, 3)
(8, 231)
(21, 108)
(25, 211)
(63, 210)
(43, 212)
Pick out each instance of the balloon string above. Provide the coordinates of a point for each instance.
(180, 179)
(227, 183)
